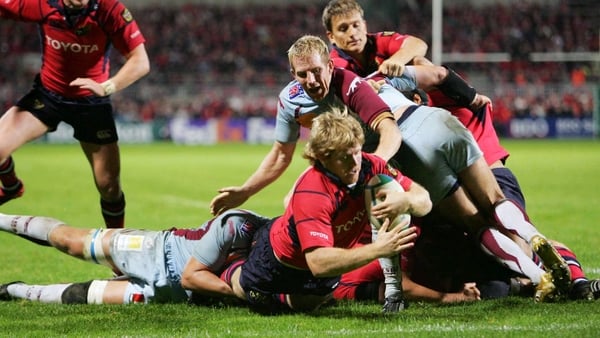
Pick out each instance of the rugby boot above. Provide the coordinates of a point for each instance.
(581, 291)
(545, 291)
(394, 304)
(4, 290)
(554, 263)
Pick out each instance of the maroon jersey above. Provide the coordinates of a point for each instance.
(324, 212)
(76, 44)
(296, 108)
(380, 47)
(479, 123)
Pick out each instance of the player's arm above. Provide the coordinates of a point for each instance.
(198, 278)
(411, 48)
(136, 66)
(390, 137)
(417, 292)
(271, 168)
(333, 261)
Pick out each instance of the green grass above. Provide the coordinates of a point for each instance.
(168, 185)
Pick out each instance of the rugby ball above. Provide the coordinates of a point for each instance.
(374, 185)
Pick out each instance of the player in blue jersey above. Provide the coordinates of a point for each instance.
(317, 87)
(156, 266)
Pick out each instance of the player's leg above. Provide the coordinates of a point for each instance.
(460, 211)
(394, 300)
(91, 292)
(106, 167)
(17, 127)
(428, 77)
(87, 244)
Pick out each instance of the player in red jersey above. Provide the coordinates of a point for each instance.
(297, 260)
(74, 86)
(388, 53)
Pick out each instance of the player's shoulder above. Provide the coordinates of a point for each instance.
(385, 34)
(293, 90)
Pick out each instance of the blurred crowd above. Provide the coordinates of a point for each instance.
(215, 60)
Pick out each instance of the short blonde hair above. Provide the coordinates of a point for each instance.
(306, 46)
(332, 132)
(339, 7)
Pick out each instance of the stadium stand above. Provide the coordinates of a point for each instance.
(215, 60)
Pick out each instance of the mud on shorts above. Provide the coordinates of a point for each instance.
(91, 117)
(264, 279)
(141, 256)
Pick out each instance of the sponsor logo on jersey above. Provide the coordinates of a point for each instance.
(353, 86)
(349, 225)
(71, 47)
(393, 171)
(295, 91)
(126, 15)
(319, 234)
(37, 104)
(103, 134)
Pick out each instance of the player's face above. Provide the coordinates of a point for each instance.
(345, 164)
(313, 74)
(75, 4)
(348, 32)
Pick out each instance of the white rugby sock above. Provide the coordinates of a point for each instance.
(35, 227)
(38, 293)
(392, 276)
(511, 217)
(391, 271)
(509, 254)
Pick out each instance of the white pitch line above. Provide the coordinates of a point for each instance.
(462, 328)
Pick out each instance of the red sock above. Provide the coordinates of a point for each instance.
(8, 177)
(571, 259)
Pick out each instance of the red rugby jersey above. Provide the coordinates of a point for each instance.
(76, 45)
(323, 212)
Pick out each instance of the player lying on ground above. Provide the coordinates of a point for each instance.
(297, 260)
(156, 266)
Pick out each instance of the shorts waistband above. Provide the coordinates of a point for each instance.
(407, 113)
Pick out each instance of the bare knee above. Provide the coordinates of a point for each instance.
(68, 240)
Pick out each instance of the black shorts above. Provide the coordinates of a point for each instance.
(509, 185)
(263, 277)
(91, 117)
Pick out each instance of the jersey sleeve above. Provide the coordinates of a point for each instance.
(389, 43)
(21, 10)
(313, 209)
(212, 248)
(287, 129)
(358, 95)
(118, 22)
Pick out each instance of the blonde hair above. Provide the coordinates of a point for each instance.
(339, 7)
(332, 132)
(306, 46)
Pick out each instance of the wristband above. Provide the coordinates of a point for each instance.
(109, 87)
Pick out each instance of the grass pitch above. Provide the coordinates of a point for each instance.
(168, 185)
